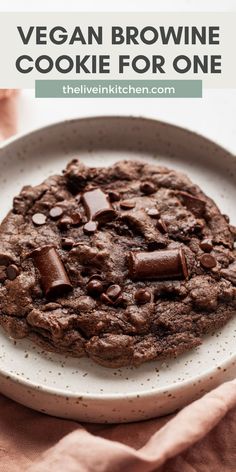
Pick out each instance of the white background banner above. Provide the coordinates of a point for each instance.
(84, 60)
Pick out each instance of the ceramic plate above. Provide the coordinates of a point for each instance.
(78, 388)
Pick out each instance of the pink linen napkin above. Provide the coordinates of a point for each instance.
(8, 112)
(200, 438)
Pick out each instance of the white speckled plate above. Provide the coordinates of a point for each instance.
(78, 388)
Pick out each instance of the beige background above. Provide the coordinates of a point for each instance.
(10, 77)
(122, 5)
(212, 116)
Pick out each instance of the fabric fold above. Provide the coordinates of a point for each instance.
(82, 451)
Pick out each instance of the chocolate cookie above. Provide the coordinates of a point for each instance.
(123, 264)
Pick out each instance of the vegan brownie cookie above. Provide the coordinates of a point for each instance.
(123, 264)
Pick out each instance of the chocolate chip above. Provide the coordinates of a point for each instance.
(54, 278)
(12, 271)
(208, 261)
(147, 188)
(105, 299)
(153, 213)
(114, 196)
(161, 226)
(206, 245)
(67, 243)
(95, 287)
(127, 204)
(142, 296)
(113, 291)
(95, 277)
(90, 227)
(64, 222)
(56, 212)
(39, 219)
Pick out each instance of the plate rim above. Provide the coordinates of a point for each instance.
(5, 143)
(117, 396)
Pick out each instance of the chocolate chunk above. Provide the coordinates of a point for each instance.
(139, 222)
(193, 204)
(39, 219)
(114, 196)
(161, 226)
(147, 188)
(90, 227)
(95, 287)
(67, 243)
(54, 279)
(206, 245)
(56, 212)
(113, 291)
(127, 204)
(153, 213)
(167, 264)
(12, 271)
(208, 261)
(97, 206)
(142, 296)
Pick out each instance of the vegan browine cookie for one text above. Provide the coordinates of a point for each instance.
(123, 264)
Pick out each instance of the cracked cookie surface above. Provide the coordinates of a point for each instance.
(123, 264)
